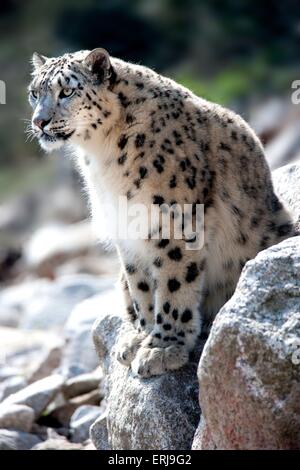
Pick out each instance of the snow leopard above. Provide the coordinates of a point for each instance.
(139, 135)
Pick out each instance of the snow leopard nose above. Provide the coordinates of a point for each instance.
(41, 123)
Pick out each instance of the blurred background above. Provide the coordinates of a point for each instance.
(240, 53)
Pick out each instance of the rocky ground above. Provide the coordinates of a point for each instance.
(60, 319)
(54, 277)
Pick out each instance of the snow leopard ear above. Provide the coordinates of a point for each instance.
(38, 60)
(98, 62)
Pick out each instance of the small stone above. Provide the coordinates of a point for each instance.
(57, 444)
(81, 421)
(37, 395)
(47, 364)
(83, 383)
(11, 385)
(8, 372)
(18, 417)
(17, 440)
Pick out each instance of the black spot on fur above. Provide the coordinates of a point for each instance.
(173, 182)
(173, 285)
(192, 272)
(158, 262)
(163, 243)
(275, 203)
(254, 222)
(237, 211)
(191, 182)
(143, 286)
(242, 238)
(167, 327)
(129, 119)
(123, 100)
(178, 139)
(159, 319)
(143, 172)
(225, 147)
(131, 312)
(264, 242)
(175, 254)
(122, 141)
(175, 314)
(166, 307)
(284, 229)
(158, 200)
(140, 140)
(186, 316)
(122, 159)
(130, 268)
(183, 165)
(158, 163)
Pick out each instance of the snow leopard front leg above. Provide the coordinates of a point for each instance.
(177, 318)
(138, 296)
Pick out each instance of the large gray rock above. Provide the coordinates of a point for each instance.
(249, 372)
(202, 438)
(157, 413)
(37, 395)
(17, 440)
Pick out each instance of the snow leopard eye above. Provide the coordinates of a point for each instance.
(33, 94)
(66, 93)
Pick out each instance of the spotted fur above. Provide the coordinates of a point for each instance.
(139, 134)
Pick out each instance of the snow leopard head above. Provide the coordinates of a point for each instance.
(70, 96)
